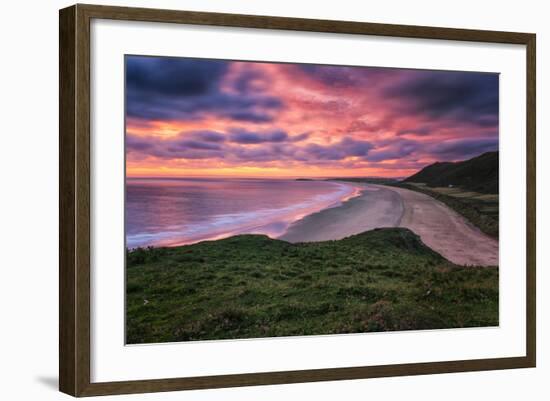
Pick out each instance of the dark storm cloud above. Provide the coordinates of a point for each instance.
(249, 116)
(139, 145)
(167, 76)
(460, 95)
(421, 131)
(207, 136)
(347, 147)
(487, 121)
(343, 76)
(244, 83)
(173, 149)
(246, 137)
(266, 146)
(393, 151)
(160, 88)
(206, 144)
(191, 144)
(243, 146)
(329, 75)
(258, 154)
(455, 149)
(462, 148)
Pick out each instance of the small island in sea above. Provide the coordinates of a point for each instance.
(268, 200)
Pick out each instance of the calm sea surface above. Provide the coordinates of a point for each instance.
(164, 212)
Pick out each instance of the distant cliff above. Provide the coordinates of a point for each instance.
(479, 174)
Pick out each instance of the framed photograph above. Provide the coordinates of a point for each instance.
(250, 200)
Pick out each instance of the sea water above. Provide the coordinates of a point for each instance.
(170, 212)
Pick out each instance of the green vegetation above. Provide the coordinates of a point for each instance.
(469, 187)
(479, 209)
(479, 174)
(252, 286)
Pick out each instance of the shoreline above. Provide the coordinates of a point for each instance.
(264, 224)
(446, 231)
(439, 227)
(379, 206)
(373, 208)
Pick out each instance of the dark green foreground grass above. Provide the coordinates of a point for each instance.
(252, 286)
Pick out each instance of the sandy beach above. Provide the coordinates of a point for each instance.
(375, 207)
(439, 227)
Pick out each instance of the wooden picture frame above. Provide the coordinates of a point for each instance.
(74, 204)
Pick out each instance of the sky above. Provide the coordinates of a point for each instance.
(199, 117)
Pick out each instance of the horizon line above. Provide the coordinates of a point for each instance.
(264, 177)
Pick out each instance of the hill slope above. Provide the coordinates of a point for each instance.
(253, 286)
(479, 174)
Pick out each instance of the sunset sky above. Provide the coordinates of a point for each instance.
(192, 117)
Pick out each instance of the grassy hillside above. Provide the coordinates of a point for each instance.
(252, 286)
(479, 174)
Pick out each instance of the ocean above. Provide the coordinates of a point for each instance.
(171, 212)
